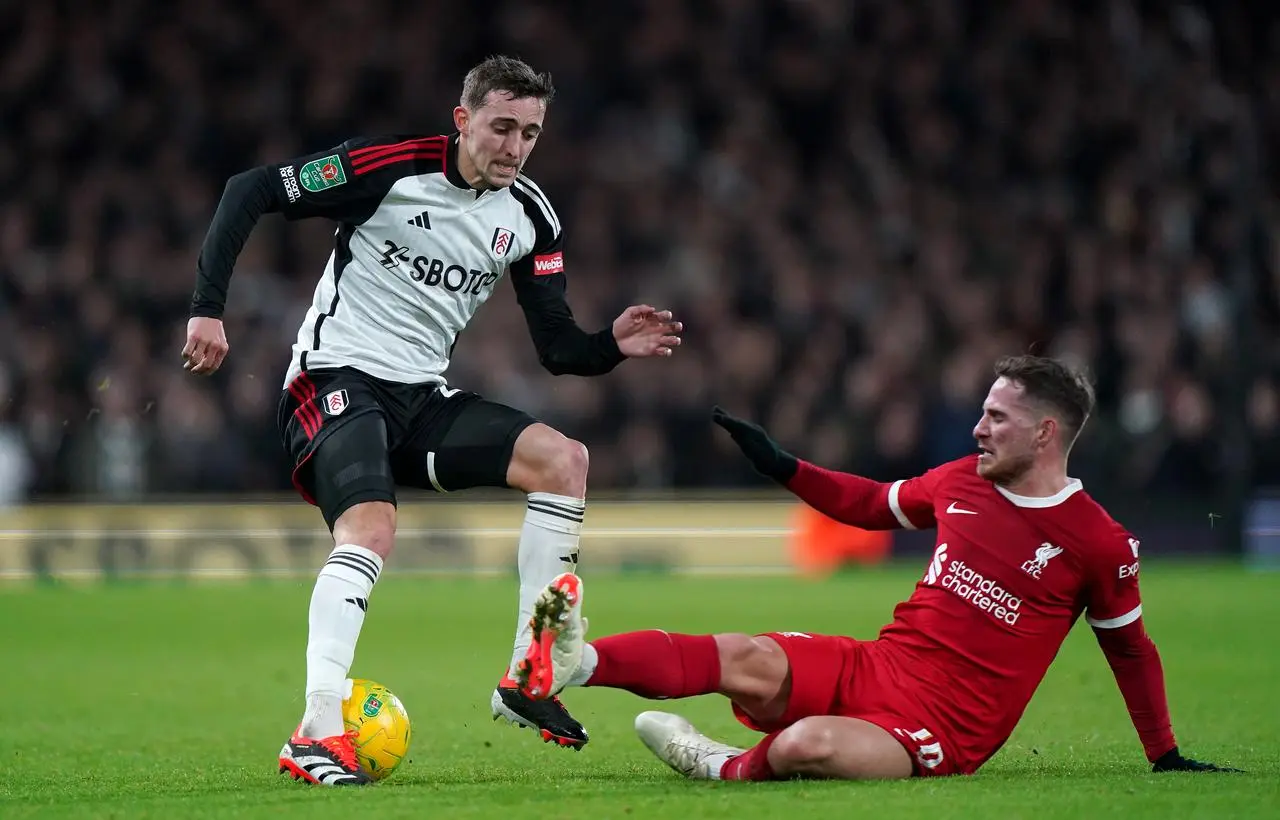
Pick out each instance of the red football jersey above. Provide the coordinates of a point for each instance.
(1008, 578)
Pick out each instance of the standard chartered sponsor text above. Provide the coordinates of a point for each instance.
(982, 592)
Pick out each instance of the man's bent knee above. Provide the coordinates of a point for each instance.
(546, 461)
(839, 747)
(369, 524)
(753, 670)
(805, 744)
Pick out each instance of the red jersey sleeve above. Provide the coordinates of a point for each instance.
(1114, 610)
(863, 502)
(1135, 662)
(1113, 598)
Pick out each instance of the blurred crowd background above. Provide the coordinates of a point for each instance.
(854, 206)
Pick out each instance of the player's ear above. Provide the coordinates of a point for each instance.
(1046, 430)
(461, 118)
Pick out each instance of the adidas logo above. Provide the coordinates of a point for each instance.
(421, 220)
(363, 603)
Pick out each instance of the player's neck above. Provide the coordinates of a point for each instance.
(1044, 482)
(468, 169)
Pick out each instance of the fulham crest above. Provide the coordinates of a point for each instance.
(335, 402)
(501, 241)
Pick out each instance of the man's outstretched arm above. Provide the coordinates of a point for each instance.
(847, 498)
(564, 348)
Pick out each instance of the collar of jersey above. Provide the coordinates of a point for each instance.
(451, 171)
(1074, 485)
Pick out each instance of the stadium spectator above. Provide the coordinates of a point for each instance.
(845, 201)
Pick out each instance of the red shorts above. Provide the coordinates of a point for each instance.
(833, 675)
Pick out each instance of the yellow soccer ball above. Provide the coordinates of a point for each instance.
(381, 725)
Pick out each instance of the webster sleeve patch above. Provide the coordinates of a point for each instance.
(545, 265)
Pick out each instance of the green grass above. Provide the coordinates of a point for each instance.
(171, 701)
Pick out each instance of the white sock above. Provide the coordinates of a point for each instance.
(715, 763)
(338, 604)
(588, 668)
(548, 547)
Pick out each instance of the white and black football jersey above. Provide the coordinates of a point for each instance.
(416, 252)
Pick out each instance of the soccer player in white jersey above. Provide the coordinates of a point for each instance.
(426, 228)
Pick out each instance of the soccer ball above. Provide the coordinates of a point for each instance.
(381, 725)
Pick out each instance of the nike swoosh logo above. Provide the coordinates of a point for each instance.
(954, 510)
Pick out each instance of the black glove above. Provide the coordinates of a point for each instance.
(1173, 761)
(763, 452)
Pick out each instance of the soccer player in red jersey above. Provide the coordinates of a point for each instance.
(1022, 551)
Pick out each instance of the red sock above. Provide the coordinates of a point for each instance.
(753, 764)
(657, 664)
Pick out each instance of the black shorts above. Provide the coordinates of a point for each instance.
(355, 438)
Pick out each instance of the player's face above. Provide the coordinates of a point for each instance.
(1007, 434)
(497, 138)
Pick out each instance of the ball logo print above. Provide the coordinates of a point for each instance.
(381, 726)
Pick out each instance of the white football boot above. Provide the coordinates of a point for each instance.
(559, 637)
(677, 743)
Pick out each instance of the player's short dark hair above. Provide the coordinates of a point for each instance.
(500, 73)
(1052, 382)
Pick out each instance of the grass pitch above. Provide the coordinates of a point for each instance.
(171, 700)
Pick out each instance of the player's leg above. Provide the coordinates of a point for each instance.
(363, 536)
(464, 441)
(353, 490)
(551, 469)
(343, 468)
(790, 689)
(789, 693)
(752, 671)
(823, 746)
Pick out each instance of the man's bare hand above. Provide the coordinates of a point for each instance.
(643, 331)
(206, 346)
